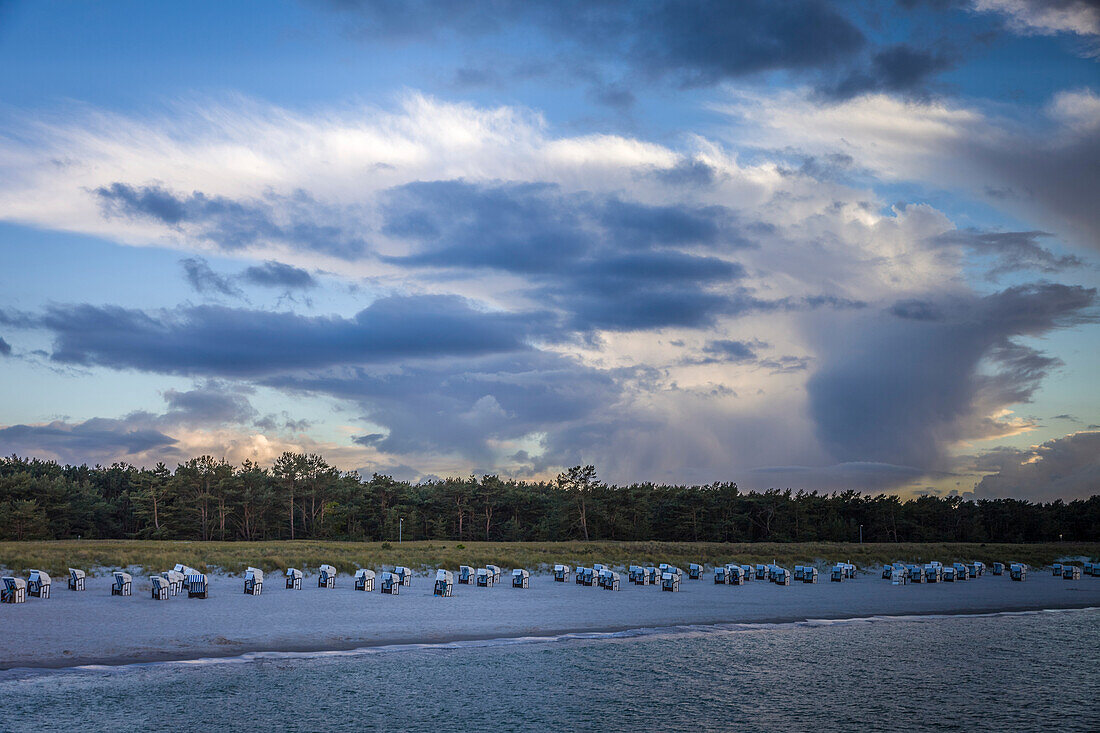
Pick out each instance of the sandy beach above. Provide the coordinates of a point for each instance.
(92, 627)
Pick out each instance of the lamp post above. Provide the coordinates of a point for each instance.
(861, 534)
(400, 526)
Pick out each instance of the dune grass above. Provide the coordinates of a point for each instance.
(99, 556)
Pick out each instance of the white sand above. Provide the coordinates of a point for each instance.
(73, 628)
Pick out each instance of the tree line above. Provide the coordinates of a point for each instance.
(302, 497)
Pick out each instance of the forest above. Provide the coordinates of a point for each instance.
(302, 497)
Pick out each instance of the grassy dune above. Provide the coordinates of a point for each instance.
(233, 557)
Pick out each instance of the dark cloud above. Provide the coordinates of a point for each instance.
(461, 406)
(857, 475)
(5, 348)
(697, 43)
(1012, 251)
(209, 404)
(77, 442)
(220, 341)
(730, 350)
(1065, 416)
(898, 68)
(900, 390)
(1063, 468)
(607, 263)
(689, 172)
(293, 221)
(204, 280)
(273, 274)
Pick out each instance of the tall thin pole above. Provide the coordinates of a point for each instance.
(861, 534)
(400, 526)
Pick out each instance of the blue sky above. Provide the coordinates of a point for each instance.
(800, 244)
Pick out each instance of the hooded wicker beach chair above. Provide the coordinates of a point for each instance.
(520, 578)
(444, 584)
(326, 578)
(253, 581)
(123, 585)
(13, 590)
(293, 579)
(364, 580)
(159, 590)
(39, 584)
(76, 579)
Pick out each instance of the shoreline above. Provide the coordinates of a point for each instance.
(216, 654)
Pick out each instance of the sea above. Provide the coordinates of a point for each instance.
(1028, 671)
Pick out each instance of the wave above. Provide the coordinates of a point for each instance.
(573, 636)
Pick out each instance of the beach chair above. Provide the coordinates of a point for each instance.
(998, 568)
(609, 579)
(1071, 572)
(899, 577)
(695, 571)
(14, 590)
(76, 579)
(590, 577)
(761, 572)
(887, 572)
(809, 574)
(1086, 569)
(916, 573)
(253, 581)
(561, 573)
(466, 574)
(1017, 571)
(737, 574)
(159, 587)
(293, 579)
(123, 584)
(39, 584)
(520, 578)
(782, 576)
(175, 581)
(977, 569)
(326, 577)
(652, 575)
(390, 583)
(721, 576)
(948, 574)
(405, 575)
(484, 578)
(933, 572)
(837, 575)
(962, 572)
(598, 567)
(197, 586)
(1057, 568)
(186, 571)
(632, 573)
(444, 584)
(495, 570)
(849, 570)
(670, 582)
(364, 580)
(798, 569)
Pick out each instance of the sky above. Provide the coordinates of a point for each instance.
(809, 245)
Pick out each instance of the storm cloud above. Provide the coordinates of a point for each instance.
(899, 387)
(1063, 468)
(221, 341)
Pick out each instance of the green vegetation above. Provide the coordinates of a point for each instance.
(301, 497)
(233, 557)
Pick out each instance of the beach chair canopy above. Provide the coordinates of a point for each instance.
(254, 574)
(364, 573)
(158, 582)
(76, 573)
(122, 577)
(173, 576)
(40, 576)
(14, 583)
(561, 568)
(328, 570)
(520, 573)
(444, 575)
(294, 573)
(389, 576)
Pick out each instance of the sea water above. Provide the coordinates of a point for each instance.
(1031, 671)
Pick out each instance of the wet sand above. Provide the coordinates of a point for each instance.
(93, 627)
